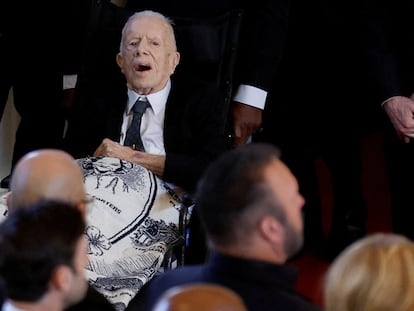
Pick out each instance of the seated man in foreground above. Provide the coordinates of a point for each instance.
(43, 256)
(250, 207)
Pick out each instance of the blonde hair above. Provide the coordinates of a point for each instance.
(375, 273)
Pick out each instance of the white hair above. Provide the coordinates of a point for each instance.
(168, 21)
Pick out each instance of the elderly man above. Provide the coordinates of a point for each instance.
(183, 122)
(182, 128)
(253, 221)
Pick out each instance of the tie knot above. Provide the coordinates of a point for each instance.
(141, 105)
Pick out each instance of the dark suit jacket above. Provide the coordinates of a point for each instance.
(263, 286)
(389, 39)
(322, 80)
(263, 31)
(193, 126)
(93, 301)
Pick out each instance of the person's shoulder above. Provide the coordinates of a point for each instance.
(189, 82)
(171, 278)
(192, 89)
(178, 275)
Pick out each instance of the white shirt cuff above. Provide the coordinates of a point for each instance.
(251, 96)
(69, 81)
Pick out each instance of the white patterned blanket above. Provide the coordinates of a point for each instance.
(131, 221)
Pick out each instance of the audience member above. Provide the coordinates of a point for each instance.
(182, 130)
(43, 253)
(388, 35)
(375, 273)
(46, 174)
(200, 297)
(322, 69)
(51, 174)
(250, 207)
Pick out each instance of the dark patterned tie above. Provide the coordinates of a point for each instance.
(133, 135)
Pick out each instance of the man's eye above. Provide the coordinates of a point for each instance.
(155, 43)
(132, 45)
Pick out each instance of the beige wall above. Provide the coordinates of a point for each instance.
(8, 125)
(119, 2)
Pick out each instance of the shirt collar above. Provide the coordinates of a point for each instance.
(157, 100)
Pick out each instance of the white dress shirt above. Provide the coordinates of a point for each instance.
(152, 122)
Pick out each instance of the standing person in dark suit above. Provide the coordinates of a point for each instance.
(261, 41)
(29, 37)
(389, 39)
(250, 208)
(183, 129)
(322, 91)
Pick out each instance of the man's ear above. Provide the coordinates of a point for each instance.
(271, 230)
(120, 61)
(175, 59)
(62, 278)
(8, 200)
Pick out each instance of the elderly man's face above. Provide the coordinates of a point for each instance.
(148, 56)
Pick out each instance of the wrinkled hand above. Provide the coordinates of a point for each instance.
(246, 121)
(109, 148)
(400, 110)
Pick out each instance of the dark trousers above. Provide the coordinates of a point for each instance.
(399, 157)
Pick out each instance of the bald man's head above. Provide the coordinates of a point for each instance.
(46, 174)
(201, 297)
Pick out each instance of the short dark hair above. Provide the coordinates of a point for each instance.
(232, 193)
(34, 240)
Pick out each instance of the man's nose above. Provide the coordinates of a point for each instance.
(142, 47)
